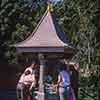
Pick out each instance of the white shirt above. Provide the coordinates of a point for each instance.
(27, 79)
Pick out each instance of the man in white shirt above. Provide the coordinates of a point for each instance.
(26, 82)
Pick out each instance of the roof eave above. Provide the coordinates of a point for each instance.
(44, 49)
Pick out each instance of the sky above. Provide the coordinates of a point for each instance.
(55, 1)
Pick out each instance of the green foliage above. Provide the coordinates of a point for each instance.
(76, 19)
(79, 20)
(17, 22)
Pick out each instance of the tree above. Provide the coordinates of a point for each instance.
(18, 19)
(78, 21)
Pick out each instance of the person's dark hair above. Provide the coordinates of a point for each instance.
(63, 67)
(27, 72)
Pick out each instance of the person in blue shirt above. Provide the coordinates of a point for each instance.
(64, 83)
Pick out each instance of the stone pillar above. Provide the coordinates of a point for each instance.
(41, 94)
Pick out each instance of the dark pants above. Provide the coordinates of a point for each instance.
(28, 94)
(20, 91)
(23, 92)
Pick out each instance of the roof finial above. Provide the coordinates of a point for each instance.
(50, 6)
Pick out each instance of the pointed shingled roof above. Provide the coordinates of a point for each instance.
(47, 37)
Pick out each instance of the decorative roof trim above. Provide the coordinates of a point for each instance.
(38, 49)
(45, 49)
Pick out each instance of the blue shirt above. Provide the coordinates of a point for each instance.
(65, 79)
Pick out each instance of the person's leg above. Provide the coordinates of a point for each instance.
(25, 93)
(68, 93)
(28, 94)
(22, 94)
(62, 93)
(18, 92)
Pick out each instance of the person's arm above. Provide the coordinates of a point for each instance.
(58, 82)
(59, 79)
(28, 68)
(33, 82)
(32, 85)
(57, 85)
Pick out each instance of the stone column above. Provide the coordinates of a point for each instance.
(41, 94)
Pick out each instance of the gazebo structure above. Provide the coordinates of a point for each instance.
(48, 41)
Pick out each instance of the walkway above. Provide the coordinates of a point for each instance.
(8, 94)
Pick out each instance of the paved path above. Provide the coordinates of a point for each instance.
(10, 94)
(7, 94)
